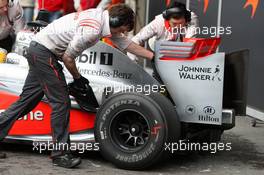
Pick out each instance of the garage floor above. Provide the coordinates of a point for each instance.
(245, 158)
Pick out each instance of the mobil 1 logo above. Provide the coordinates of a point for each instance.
(105, 58)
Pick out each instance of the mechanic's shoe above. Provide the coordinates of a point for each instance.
(66, 161)
(2, 155)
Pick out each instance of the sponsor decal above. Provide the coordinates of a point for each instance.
(105, 59)
(209, 111)
(200, 73)
(216, 73)
(91, 58)
(31, 116)
(117, 104)
(136, 157)
(208, 118)
(105, 73)
(190, 110)
(155, 129)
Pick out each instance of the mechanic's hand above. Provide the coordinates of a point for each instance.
(81, 82)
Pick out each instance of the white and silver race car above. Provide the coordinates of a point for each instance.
(199, 94)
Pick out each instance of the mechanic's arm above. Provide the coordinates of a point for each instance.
(79, 82)
(139, 51)
(84, 38)
(125, 44)
(144, 34)
(19, 22)
(70, 64)
(147, 32)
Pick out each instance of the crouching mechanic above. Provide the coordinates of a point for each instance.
(11, 22)
(64, 40)
(174, 24)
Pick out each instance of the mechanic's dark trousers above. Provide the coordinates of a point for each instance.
(45, 76)
(7, 43)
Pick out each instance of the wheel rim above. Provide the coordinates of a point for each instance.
(129, 130)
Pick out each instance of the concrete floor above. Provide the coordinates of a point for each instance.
(245, 158)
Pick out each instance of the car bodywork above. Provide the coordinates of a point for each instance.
(204, 89)
(107, 69)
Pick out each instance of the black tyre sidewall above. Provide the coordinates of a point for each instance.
(147, 155)
(172, 118)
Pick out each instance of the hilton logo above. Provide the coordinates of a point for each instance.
(209, 110)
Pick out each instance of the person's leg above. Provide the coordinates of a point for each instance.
(58, 96)
(28, 14)
(32, 93)
(54, 15)
(54, 85)
(29, 98)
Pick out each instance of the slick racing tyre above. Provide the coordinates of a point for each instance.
(173, 120)
(131, 129)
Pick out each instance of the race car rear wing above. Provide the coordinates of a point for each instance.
(201, 82)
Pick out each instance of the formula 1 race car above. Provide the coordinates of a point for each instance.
(199, 94)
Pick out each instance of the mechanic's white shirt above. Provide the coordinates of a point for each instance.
(13, 22)
(160, 29)
(75, 32)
